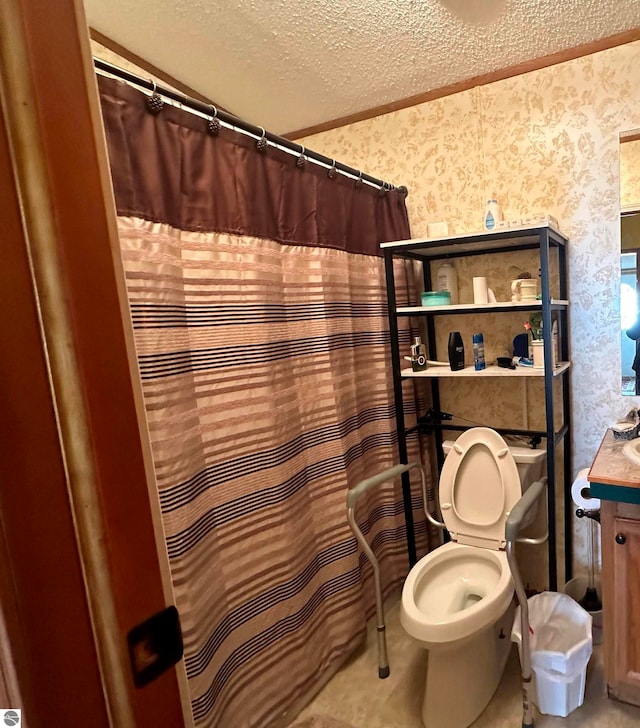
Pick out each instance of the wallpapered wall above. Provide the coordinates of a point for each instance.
(546, 142)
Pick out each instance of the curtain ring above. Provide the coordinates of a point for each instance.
(213, 125)
(333, 172)
(359, 182)
(301, 160)
(154, 102)
(382, 190)
(262, 143)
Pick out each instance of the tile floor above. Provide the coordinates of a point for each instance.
(358, 698)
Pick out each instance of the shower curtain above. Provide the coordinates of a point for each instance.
(257, 299)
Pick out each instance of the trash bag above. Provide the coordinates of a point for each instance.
(561, 645)
(560, 633)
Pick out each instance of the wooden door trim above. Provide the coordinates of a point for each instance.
(58, 155)
(41, 234)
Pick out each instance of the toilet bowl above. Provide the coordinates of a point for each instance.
(456, 594)
(457, 601)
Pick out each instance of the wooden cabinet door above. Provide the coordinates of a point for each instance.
(621, 571)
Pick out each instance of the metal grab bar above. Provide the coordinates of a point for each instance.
(511, 531)
(538, 540)
(352, 497)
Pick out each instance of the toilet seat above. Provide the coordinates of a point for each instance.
(479, 485)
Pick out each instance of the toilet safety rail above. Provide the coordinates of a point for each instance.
(512, 529)
(352, 497)
(363, 486)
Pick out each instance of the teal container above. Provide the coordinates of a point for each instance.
(436, 298)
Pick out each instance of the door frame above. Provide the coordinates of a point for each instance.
(80, 529)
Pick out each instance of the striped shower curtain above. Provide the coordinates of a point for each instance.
(258, 306)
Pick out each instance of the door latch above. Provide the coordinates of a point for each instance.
(155, 645)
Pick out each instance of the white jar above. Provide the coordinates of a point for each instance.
(447, 280)
(493, 215)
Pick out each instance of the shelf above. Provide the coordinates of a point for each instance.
(543, 236)
(485, 241)
(492, 370)
(479, 307)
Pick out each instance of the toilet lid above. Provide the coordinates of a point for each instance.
(479, 485)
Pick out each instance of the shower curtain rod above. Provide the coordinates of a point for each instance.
(244, 126)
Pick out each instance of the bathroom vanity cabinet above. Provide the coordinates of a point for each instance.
(549, 251)
(616, 481)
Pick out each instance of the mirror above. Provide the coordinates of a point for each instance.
(630, 262)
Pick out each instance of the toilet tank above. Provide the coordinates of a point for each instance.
(531, 463)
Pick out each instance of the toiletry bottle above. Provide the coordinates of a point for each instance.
(478, 352)
(492, 215)
(447, 280)
(418, 355)
(456, 351)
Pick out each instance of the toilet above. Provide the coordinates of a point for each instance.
(457, 601)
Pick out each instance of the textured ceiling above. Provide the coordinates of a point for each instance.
(291, 64)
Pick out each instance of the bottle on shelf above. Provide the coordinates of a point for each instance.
(447, 280)
(492, 215)
(418, 355)
(478, 352)
(456, 351)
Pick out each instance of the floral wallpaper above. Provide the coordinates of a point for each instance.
(545, 142)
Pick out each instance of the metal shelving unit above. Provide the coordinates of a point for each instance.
(543, 237)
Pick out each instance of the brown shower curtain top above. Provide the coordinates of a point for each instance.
(258, 303)
(177, 173)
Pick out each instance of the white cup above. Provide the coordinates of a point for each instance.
(524, 289)
(481, 293)
(537, 347)
(480, 290)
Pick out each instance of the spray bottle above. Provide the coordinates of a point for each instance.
(478, 352)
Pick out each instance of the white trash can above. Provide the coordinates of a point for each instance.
(561, 645)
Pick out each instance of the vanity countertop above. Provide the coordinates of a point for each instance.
(612, 468)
